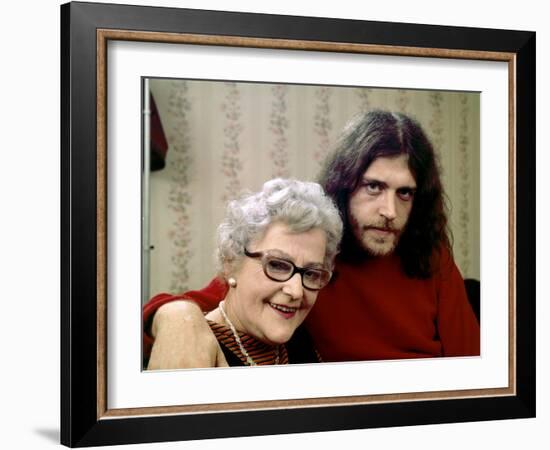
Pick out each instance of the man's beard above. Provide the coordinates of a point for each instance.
(376, 239)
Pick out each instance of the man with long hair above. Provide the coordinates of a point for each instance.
(396, 292)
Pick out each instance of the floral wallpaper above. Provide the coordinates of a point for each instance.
(323, 123)
(233, 126)
(278, 127)
(179, 201)
(226, 137)
(462, 248)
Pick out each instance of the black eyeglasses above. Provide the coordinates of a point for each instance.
(280, 269)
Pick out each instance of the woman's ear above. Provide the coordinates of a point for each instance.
(227, 269)
(228, 274)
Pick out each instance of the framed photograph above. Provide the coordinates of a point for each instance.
(241, 98)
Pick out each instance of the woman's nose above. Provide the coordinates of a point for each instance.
(293, 287)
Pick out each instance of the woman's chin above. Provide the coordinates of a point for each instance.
(278, 338)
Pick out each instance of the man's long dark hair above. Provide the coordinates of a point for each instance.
(384, 134)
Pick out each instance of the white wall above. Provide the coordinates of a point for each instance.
(30, 227)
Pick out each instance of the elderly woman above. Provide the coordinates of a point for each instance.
(276, 250)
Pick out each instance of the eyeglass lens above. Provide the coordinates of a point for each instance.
(282, 270)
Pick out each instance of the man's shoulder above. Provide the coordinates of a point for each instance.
(443, 258)
(444, 266)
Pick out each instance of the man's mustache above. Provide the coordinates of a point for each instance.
(383, 226)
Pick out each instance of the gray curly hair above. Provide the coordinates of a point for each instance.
(300, 205)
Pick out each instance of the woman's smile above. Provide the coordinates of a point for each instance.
(286, 311)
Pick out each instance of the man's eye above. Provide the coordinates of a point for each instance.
(405, 194)
(372, 188)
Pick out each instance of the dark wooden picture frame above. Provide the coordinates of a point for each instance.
(85, 29)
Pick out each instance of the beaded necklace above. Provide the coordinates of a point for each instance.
(249, 359)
